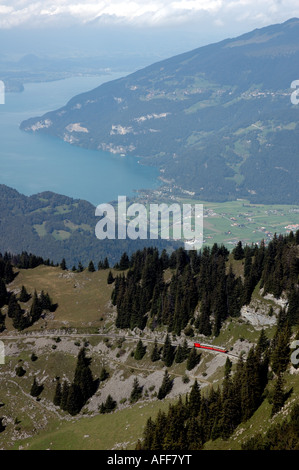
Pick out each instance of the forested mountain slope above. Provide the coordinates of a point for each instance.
(55, 226)
(86, 343)
(218, 121)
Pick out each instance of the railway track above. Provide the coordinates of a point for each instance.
(111, 335)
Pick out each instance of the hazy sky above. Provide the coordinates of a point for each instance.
(164, 26)
(219, 13)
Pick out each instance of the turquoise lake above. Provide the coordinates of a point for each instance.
(33, 163)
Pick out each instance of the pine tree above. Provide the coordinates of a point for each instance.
(165, 387)
(33, 357)
(204, 324)
(278, 396)
(237, 381)
(220, 306)
(2, 426)
(185, 349)
(36, 389)
(159, 433)
(19, 320)
(229, 417)
(227, 367)
(24, 296)
(155, 356)
(139, 351)
(194, 398)
(36, 309)
(293, 308)
(8, 273)
(80, 267)
(281, 351)
(194, 439)
(91, 267)
(148, 434)
(83, 376)
(75, 400)
(167, 352)
(193, 359)
(110, 278)
(215, 411)
(63, 264)
(108, 406)
(87, 385)
(250, 386)
(124, 262)
(2, 321)
(100, 265)
(234, 290)
(247, 262)
(12, 306)
(45, 302)
(238, 251)
(179, 355)
(136, 391)
(20, 371)
(164, 259)
(174, 436)
(3, 293)
(263, 342)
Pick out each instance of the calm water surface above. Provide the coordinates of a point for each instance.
(33, 163)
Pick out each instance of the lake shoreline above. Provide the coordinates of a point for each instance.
(36, 163)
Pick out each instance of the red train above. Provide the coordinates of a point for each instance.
(209, 346)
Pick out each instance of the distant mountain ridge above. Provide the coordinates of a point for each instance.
(54, 226)
(218, 121)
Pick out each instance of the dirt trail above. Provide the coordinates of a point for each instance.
(144, 369)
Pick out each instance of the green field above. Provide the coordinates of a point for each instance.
(102, 432)
(82, 298)
(229, 222)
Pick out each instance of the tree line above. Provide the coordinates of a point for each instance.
(21, 318)
(71, 397)
(200, 417)
(202, 289)
(42, 302)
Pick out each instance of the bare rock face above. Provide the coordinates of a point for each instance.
(257, 318)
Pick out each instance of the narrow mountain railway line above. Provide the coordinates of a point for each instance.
(212, 349)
